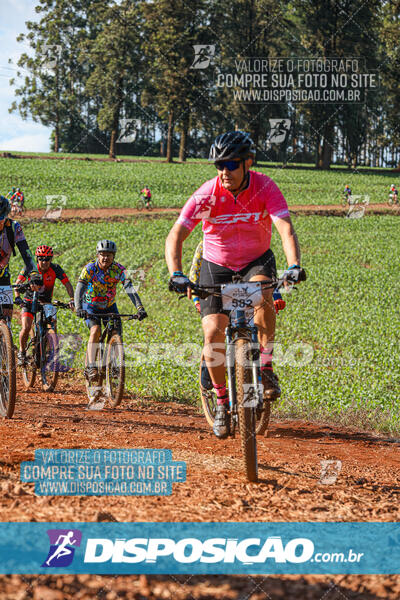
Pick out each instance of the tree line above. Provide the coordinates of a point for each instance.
(100, 69)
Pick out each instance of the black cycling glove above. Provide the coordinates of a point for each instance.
(295, 274)
(178, 283)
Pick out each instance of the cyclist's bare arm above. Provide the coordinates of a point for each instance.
(173, 247)
(70, 289)
(289, 239)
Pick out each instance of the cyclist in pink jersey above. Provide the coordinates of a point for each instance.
(237, 209)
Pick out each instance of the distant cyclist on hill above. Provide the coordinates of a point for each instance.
(146, 194)
(394, 194)
(346, 193)
(237, 209)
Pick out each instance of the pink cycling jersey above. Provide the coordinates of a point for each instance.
(236, 231)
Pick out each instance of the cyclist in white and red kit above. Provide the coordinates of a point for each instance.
(237, 209)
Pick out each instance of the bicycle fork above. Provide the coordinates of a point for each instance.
(253, 396)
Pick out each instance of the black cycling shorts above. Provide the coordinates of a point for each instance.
(213, 274)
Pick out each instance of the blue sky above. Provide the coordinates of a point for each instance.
(16, 134)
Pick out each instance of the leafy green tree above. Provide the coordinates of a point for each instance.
(116, 58)
(53, 77)
(330, 29)
(390, 67)
(172, 27)
(249, 29)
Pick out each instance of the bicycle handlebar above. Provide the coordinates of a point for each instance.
(129, 316)
(59, 304)
(205, 291)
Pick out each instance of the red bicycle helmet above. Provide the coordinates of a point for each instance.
(44, 251)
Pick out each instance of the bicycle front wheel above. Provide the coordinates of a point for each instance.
(49, 366)
(8, 383)
(115, 373)
(247, 421)
(29, 366)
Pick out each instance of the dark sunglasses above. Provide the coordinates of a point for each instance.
(231, 165)
(44, 258)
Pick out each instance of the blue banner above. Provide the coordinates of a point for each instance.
(200, 548)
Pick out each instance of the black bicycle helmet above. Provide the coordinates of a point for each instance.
(106, 246)
(233, 144)
(4, 207)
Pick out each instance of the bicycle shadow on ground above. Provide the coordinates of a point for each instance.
(311, 431)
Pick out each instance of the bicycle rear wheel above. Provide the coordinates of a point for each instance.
(29, 367)
(49, 366)
(115, 373)
(8, 384)
(247, 421)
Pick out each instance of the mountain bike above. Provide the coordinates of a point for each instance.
(17, 209)
(42, 349)
(393, 199)
(144, 203)
(8, 381)
(247, 410)
(347, 200)
(110, 364)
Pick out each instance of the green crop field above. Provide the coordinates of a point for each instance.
(337, 345)
(99, 184)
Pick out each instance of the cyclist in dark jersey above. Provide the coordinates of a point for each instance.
(42, 281)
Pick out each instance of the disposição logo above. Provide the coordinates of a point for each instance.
(62, 547)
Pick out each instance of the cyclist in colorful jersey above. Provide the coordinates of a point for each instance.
(347, 192)
(95, 296)
(42, 280)
(11, 235)
(237, 209)
(146, 195)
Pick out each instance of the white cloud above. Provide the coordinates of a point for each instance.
(34, 142)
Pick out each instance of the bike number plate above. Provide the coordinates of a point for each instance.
(6, 294)
(49, 310)
(241, 295)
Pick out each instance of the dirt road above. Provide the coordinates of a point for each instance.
(85, 214)
(367, 489)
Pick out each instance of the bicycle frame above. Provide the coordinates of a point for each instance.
(240, 327)
(108, 330)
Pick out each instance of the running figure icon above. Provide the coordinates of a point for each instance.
(62, 549)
